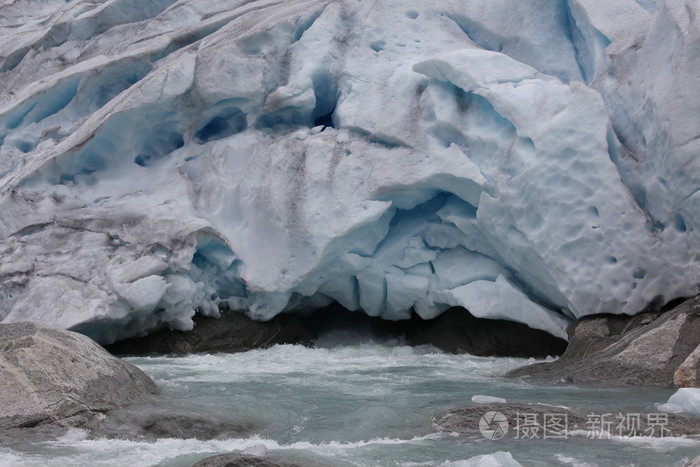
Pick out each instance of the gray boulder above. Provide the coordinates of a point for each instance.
(52, 376)
(157, 419)
(468, 420)
(651, 349)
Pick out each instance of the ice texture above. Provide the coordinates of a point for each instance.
(528, 160)
(685, 400)
(479, 399)
(497, 459)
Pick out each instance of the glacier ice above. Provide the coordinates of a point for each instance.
(480, 399)
(528, 160)
(684, 400)
(497, 459)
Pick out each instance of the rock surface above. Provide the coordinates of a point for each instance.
(455, 331)
(233, 332)
(53, 376)
(246, 460)
(152, 421)
(646, 350)
(465, 420)
(687, 374)
(458, 331)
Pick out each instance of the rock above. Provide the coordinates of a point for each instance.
(613, 350)
(466, 420)
(455, 331)
(53, 376)
(687, 374)
(245, 460)
(458, 331)
(152, 421)
(233, 332)
(694, 463)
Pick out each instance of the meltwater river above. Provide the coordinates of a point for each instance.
(360, 404)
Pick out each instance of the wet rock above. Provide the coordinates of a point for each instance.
(151, 421)
(458, 331)
(233, 332)
(468, 420)
(455, 331)
(54, 376)
(248, 460)
(614, 350)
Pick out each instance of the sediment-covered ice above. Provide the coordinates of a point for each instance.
(527, 160)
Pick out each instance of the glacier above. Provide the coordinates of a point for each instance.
(534, 160)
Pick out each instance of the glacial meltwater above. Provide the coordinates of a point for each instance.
(361, 404)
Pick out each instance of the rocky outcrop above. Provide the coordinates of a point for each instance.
(233, 332)
(650, 349)
(53, 376)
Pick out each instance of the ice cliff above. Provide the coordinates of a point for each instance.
(529, 160)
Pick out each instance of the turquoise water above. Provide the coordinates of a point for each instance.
(370, 404)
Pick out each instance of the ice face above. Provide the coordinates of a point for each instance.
(532, 161)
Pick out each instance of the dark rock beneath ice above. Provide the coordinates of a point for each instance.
(233, 332)
(458, 331)
(455, 331)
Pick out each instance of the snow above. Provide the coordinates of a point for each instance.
(394, 157)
